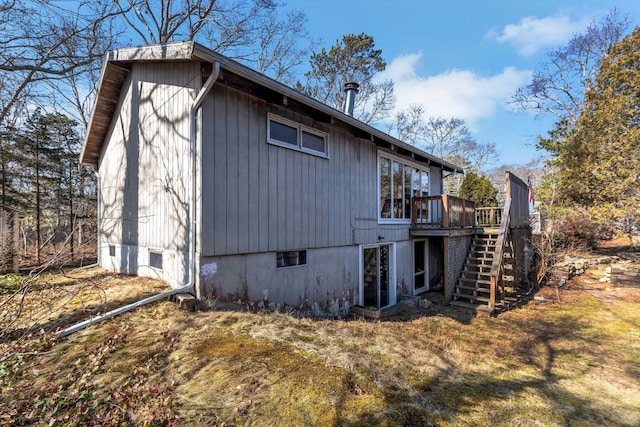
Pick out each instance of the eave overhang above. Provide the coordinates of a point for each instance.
(117, 65)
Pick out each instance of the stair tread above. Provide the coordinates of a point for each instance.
(478, 274)
(481, 281)
(477, 307)
(473, 297)
(471, 288)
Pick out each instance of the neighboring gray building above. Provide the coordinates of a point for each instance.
(214, 175)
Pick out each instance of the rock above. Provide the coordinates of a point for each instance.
(425, 303)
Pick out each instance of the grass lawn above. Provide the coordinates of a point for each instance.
(572, 362)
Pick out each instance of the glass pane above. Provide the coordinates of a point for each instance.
(415, 183)
(385, 188)
(313, 142)
(291, 258)
(424, 183)
(283, 133)
(419, 256)
(398, 179)
(407, 191)
(370, 277)
(420, 276)
(384, 276)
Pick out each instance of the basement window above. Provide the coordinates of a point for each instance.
(295, 136)
(291, 258)
(155, 259)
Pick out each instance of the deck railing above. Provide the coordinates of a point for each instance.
(442, 211)
(497, 266)
(488, 217)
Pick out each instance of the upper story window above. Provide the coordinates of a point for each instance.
(289, 134)
(398, 182)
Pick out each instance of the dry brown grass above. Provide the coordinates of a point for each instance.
(576, 362)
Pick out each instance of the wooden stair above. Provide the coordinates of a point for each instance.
(473, 289)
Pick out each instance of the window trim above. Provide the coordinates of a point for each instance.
(156, 253)
(299, 264)
(404, 162)
(299, 129)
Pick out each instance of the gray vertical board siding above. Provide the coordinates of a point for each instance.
(217, 179)
(311, 208)
(297, 201)
(233, 189)
(166, 93)
(253, 176)
(286, 222)
(260, 213)
(261, 197)
(273, 155)
(144, 185)
(244, 171)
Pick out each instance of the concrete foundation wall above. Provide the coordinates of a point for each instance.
(328, 284)
(134, 260)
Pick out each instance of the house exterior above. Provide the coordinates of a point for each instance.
(214, 175)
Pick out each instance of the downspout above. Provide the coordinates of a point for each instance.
(193, 121)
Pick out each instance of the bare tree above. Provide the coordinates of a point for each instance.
(255, 32)
(560, 84)
(166, 20)
(409, 126)
(43, 44)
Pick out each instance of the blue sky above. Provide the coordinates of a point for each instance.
(464, 58)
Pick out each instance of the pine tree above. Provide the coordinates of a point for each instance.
(479, 189)
(352, 59)
(600, 167)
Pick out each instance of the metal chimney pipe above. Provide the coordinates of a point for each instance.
(350, 89)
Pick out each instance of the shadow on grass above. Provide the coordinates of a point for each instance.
(561, 349)
(66, 319)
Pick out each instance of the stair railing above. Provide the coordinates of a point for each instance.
(498, 262)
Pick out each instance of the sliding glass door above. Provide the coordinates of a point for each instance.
(377, 285)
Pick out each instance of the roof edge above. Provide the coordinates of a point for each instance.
(156, 52)
(205, 54)
(190, 51)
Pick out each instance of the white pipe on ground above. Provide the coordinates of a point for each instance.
(63, 333)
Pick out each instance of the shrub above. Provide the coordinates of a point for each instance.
(577, 230)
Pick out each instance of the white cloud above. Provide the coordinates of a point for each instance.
(532, 34)
(453, 93)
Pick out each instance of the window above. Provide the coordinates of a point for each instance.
(155, 259)
(291, 258)
(289, 134)
(398, 182)
(112, 250)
